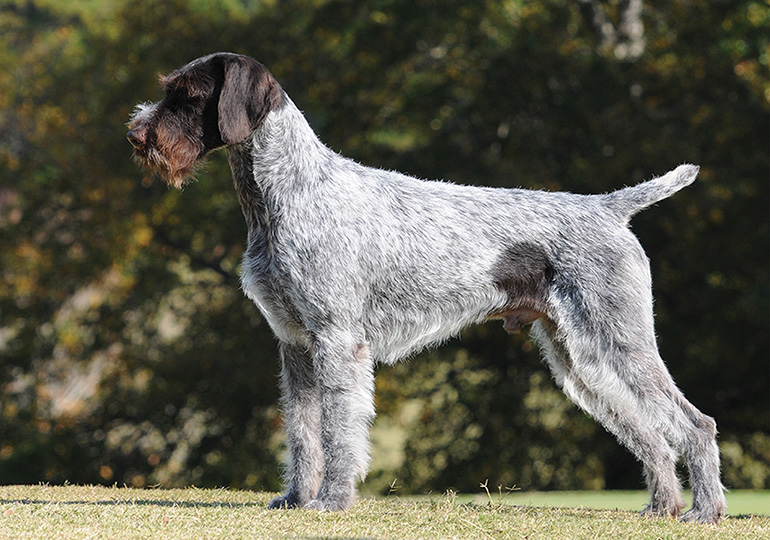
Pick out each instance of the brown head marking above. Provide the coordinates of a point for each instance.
(211, 102)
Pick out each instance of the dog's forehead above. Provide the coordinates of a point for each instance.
(194, 79)
(142, 112)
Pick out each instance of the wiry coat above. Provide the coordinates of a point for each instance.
(351, 265)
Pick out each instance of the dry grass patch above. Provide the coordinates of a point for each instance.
(84, 512)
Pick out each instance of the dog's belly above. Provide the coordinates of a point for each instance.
(397, 328)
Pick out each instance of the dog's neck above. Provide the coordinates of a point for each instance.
(281, 156)
(287, 154)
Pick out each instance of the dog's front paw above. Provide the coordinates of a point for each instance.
(659, 511)
(283, 502)
(710, 515)
(329, 505)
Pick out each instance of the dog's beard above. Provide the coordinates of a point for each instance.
(165, 150)
(173, 173)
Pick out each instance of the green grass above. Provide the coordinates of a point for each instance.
(739, 503)
(75, 512)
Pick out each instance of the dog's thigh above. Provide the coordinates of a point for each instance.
(301, 407)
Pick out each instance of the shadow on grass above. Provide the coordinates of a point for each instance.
(588, 513)
(138, 502)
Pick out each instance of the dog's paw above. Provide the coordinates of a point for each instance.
(283, 502)
(328, 505)
(704, 515)
(660, 511)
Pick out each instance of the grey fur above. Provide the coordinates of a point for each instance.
(352, 265)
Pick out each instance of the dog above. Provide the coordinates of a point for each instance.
(352, 265)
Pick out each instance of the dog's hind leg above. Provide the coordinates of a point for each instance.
(695, 433)
(606, 398)
(345, 374)
(301, 407)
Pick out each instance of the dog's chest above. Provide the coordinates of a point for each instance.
(265, 284)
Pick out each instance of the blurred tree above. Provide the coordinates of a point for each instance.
(127, 352)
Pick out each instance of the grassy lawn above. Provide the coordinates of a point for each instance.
(739, 503)
(75, 512)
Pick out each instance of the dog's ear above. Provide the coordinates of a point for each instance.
(249, 93)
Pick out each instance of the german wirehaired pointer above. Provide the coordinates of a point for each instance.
(352, 265)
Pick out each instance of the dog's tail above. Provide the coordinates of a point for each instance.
(628, 201)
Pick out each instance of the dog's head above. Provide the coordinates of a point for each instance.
(214, 101)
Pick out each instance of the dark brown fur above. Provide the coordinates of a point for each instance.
(523, 273)
(216, 101)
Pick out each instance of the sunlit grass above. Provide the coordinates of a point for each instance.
(739, 503)
(78, 512)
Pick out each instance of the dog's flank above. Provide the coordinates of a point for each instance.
(351, 265)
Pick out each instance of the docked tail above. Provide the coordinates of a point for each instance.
(628, 201)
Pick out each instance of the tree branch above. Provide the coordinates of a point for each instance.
(216, 265)
(626, 41)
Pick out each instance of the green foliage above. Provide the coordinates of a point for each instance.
(746, 459)
(127, 352)
(501, 420)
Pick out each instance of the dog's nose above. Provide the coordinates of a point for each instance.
(135, 137)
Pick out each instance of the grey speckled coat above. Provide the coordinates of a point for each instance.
(352, 265)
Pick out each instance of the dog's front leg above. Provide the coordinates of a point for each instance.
(301, 407)
(346, 383)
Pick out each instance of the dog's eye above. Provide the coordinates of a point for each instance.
(176, 105)
(177, 102)
(171, 102)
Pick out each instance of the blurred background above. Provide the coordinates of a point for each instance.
(128, 353)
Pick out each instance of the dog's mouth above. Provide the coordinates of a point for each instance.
(153, 161)
(174, 161)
